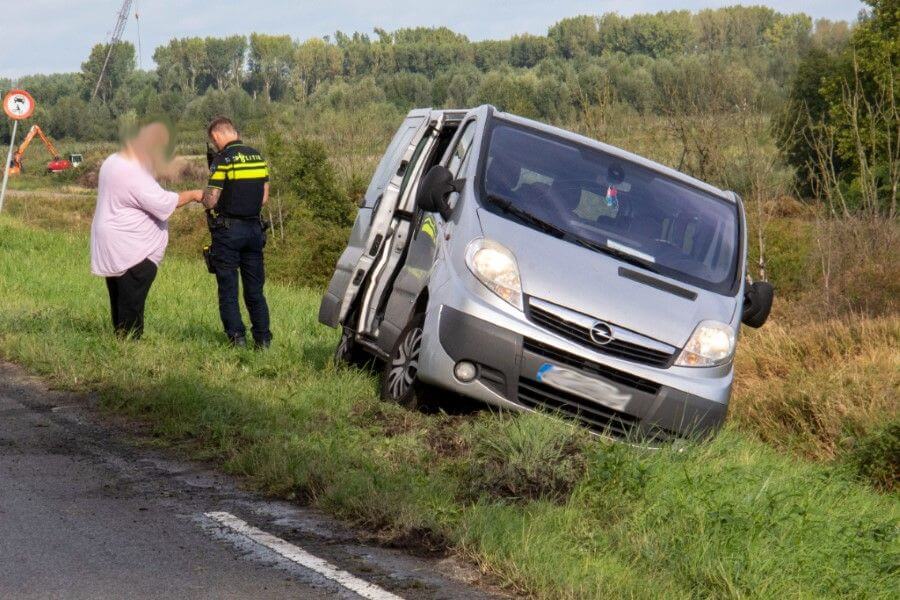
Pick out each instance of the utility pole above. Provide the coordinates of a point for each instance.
(115, 38)
(12, 143)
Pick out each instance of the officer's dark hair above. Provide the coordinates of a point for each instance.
(220, 123)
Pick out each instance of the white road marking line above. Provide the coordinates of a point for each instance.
(302, 557)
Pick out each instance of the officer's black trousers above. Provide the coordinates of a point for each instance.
(238, 249)
(127, 297)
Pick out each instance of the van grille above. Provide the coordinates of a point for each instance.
(582, 335)
(596, 417)
(573, 360)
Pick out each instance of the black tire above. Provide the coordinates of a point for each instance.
(349, 353)
(758, 304)
(399, 381)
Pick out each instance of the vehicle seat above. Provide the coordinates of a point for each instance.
(535, 198)
(502, 178)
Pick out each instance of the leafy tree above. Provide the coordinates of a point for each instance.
(491, 54)
(271, 58)
(357, 53)
(508, 92)
(170, 70)
(806, 108)
(528, 50)
(193, 57)
(430, 51)
(455, 87)
(49, 89)
(315, 61)
(576, 37)
(225, 60)
(662, 34)
(407, 90)
(121, 64)
(831, 36)
(841, 128)
(734, 27)
(234, 102)
(182, 63)
(863, 107)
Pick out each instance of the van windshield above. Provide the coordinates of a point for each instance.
(611, 205)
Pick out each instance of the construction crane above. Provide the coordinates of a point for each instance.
(56, 165)
(115, 38)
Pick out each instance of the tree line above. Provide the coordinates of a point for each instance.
(818, 78)
(543, 76)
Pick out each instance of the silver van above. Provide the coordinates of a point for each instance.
(535, 269)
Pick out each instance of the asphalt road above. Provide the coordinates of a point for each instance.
(89, 511)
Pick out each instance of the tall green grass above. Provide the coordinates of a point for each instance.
(535, 503)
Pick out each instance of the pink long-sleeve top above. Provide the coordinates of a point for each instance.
(131, 218)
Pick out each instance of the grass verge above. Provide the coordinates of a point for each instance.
(729, 518)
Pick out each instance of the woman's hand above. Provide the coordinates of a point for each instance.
(189, 197)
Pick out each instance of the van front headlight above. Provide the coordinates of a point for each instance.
(495, 266)
(711, 344)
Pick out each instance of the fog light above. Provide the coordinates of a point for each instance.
(465, 371)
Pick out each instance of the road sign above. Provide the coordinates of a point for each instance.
(18, 105)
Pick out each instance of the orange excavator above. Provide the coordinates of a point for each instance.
(57, 165)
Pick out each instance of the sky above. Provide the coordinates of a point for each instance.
(49, 36)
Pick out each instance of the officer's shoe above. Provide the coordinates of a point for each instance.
(237, 341)
(262, 344)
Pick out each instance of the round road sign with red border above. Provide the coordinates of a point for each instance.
(18, 105)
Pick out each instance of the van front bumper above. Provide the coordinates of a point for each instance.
(522, 366)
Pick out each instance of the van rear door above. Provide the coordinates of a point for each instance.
(373, 222)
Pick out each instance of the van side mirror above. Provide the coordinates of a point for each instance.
(436, 186)
(758, 298)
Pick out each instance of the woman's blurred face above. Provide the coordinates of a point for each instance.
(151, 146)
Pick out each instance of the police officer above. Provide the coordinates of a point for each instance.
(238, 188)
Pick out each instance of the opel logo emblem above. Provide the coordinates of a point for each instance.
(601, 333)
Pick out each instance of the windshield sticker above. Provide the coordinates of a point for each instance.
(631, 251)
(581, 385)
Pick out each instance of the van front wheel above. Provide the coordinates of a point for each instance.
(400, 382)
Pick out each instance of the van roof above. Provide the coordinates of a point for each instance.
(614, 151)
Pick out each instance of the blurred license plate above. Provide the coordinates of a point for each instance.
(582, 385)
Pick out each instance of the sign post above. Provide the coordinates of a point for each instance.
(18, 105)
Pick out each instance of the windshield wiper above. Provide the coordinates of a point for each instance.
(508, 207)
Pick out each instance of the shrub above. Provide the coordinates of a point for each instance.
(876, 456)
(856, 266)
(312, 209)
(302, 173)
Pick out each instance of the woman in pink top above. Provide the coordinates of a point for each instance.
(129, 233)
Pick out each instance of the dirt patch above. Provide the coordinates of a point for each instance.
(392, 422)
(184, 170)
(90, 176)
(447, 440)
